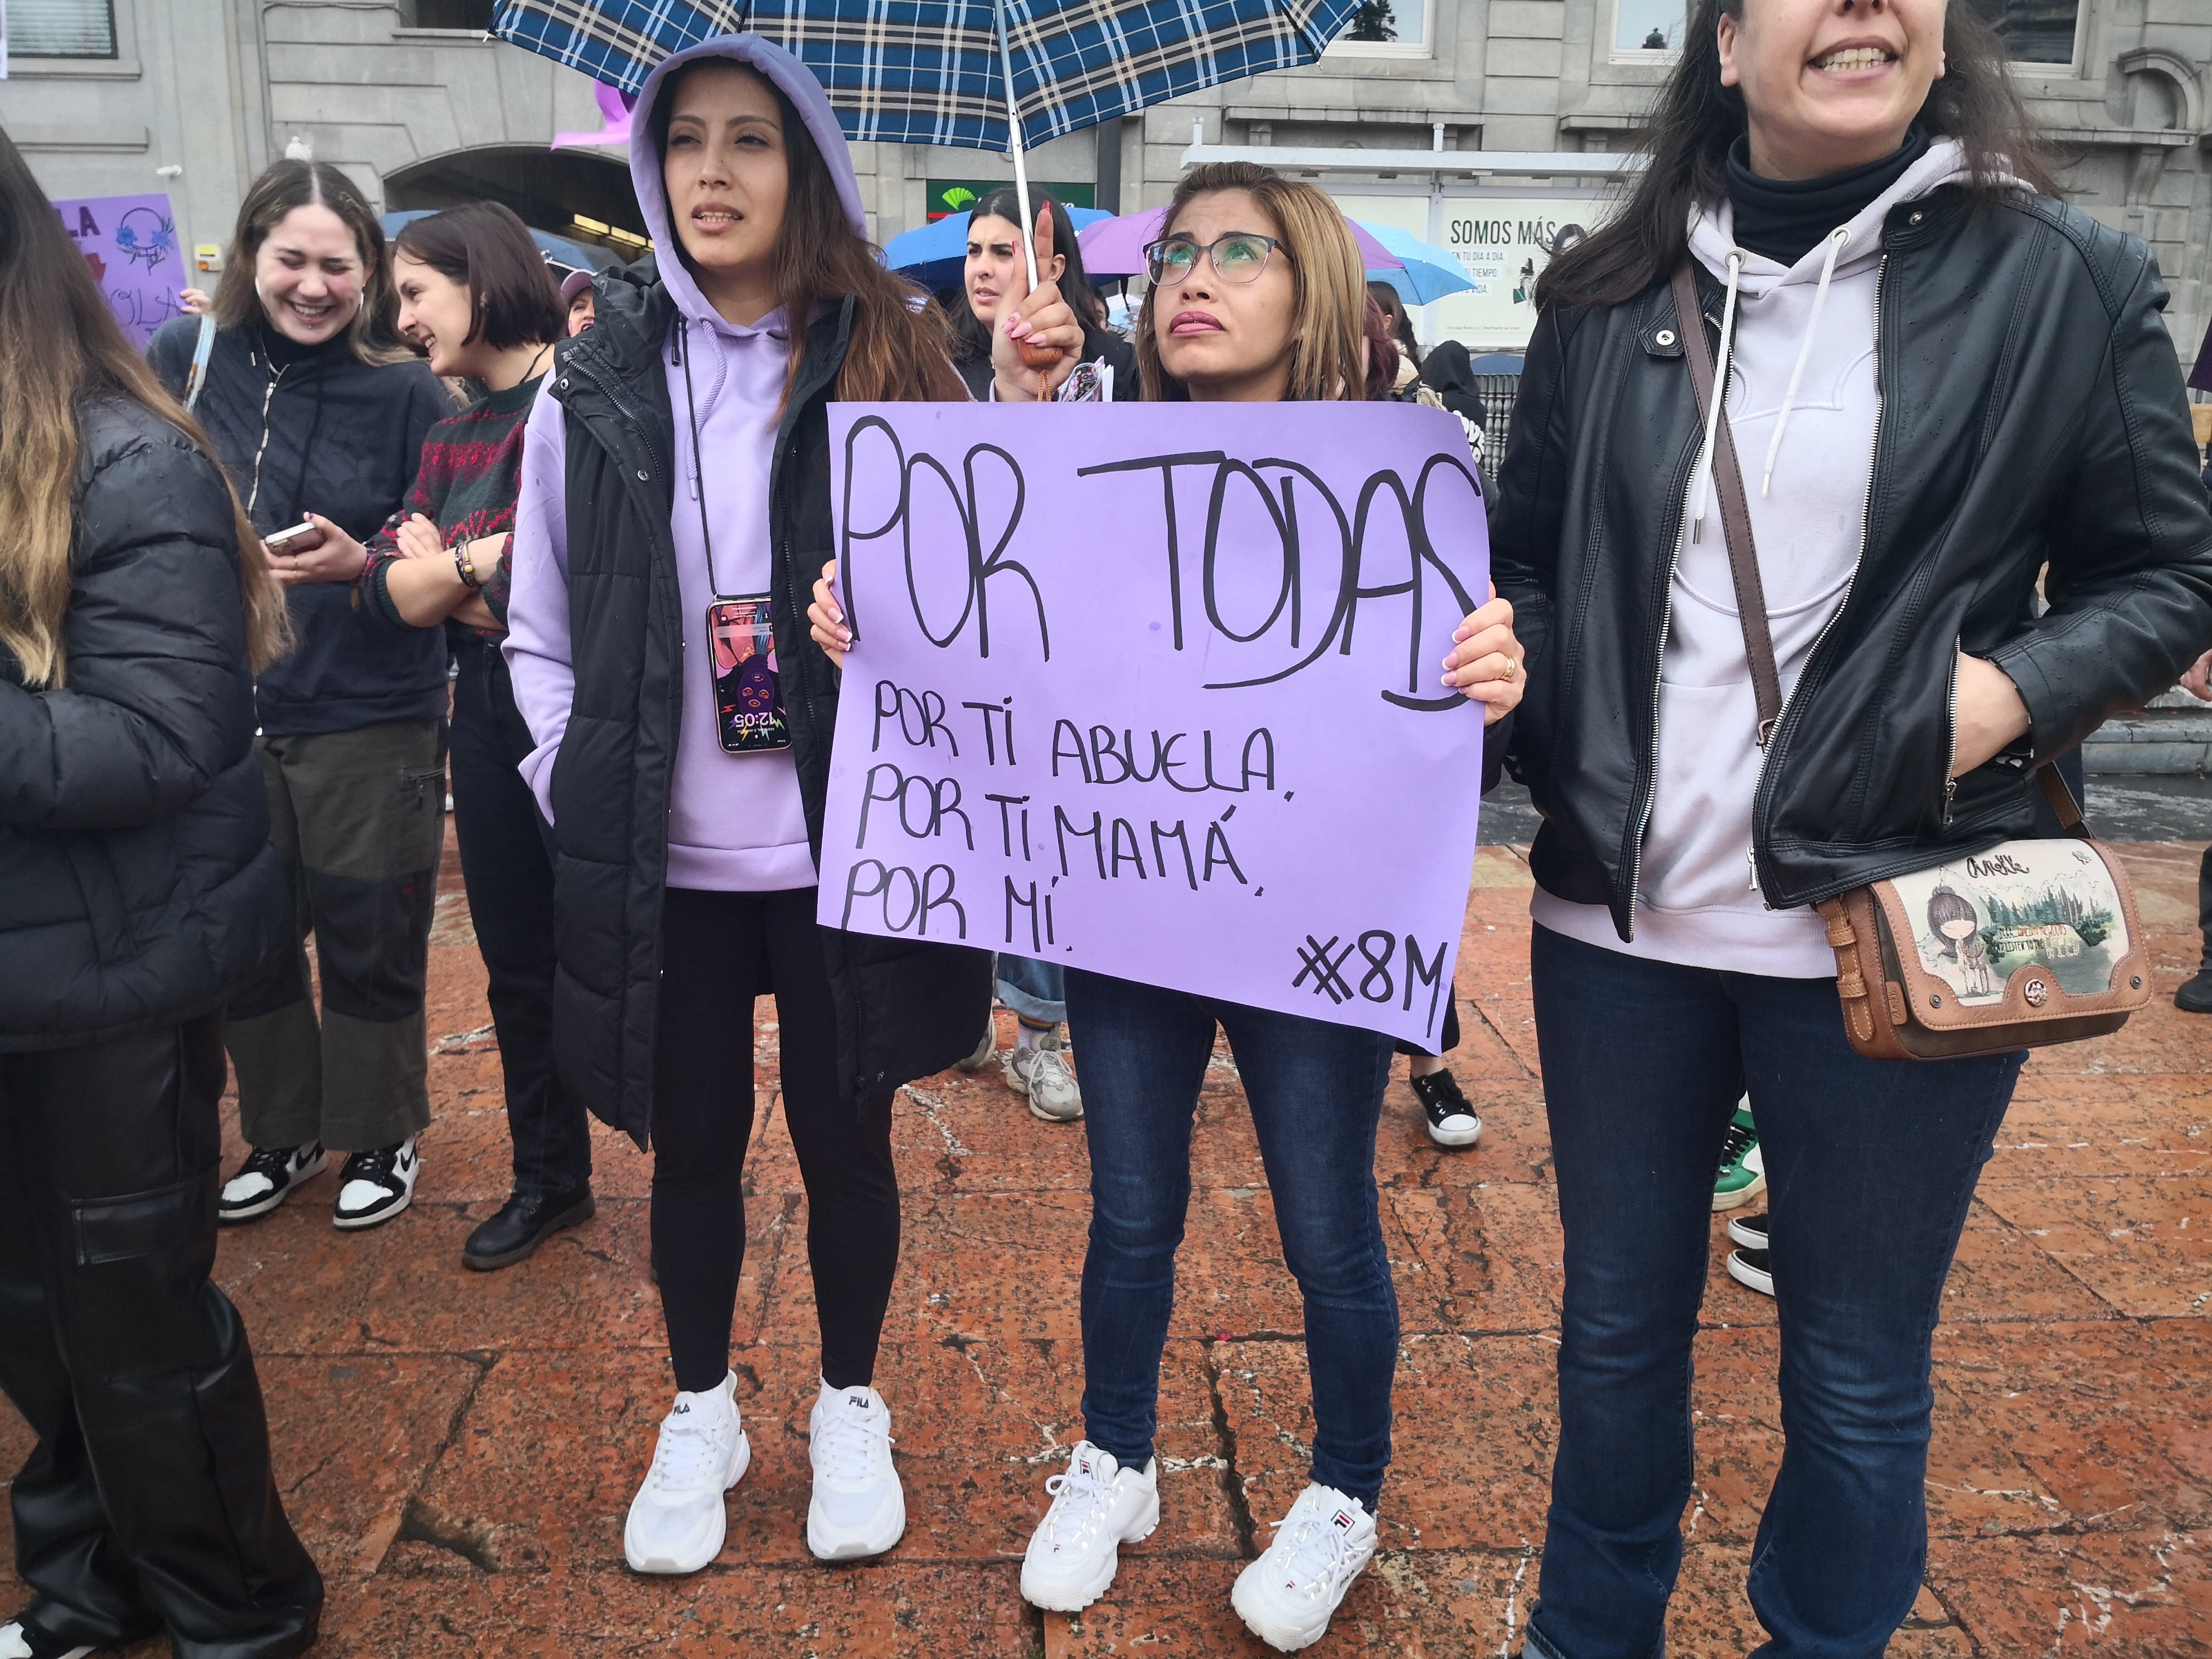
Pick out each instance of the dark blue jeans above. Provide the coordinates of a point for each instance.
(1870, 1165)
(1316, 1095)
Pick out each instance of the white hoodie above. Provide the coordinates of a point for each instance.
(1801, 403)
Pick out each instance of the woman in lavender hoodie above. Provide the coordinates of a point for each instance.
(675, 477)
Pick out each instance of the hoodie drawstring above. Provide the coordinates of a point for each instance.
(1837, 239)
(1736, 258)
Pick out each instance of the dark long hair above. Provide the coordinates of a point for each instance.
(973, 338)
(1697, 118)
(488, 250)
(374, 331)
(898, 352)
(59, 344)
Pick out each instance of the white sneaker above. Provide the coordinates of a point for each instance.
(859, 1507)
(16, 1643)
(677, 1521)
(376, 1186)
(1041, 1071)
(1288, 1596)
(1098, 1506)
(264, 1180)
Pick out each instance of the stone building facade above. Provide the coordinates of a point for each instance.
(195, 96)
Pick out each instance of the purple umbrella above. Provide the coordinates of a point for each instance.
(1115, 247)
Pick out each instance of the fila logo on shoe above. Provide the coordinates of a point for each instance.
(682, 1408)
(1342, 1521)
(859, 1402)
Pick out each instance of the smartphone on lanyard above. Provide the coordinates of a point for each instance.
(748, 701)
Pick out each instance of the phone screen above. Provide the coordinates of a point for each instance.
(748, 701)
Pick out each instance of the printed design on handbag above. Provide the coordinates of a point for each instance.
(1979, 920)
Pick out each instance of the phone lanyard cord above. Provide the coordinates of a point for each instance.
(698, 468)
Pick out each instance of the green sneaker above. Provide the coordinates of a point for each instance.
(1743, 1172)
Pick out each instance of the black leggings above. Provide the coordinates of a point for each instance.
(719, 951)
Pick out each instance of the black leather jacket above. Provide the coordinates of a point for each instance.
(2031, 413)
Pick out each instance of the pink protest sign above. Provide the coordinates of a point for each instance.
(130, 243)
(1154, 689)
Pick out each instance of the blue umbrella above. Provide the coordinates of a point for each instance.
(936, 256)
(1428, 271)
(557, 250)
(988, 74)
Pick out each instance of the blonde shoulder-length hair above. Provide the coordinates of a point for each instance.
(1328, 315)
(60, 345)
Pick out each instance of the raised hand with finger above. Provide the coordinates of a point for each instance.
(1039, 340)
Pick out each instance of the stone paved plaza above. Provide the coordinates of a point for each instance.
(458, 1449)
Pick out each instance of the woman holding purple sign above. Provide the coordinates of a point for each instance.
(675, 482)
(1257, 296)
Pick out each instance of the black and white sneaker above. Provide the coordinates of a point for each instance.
(1754, 1269)
(1452, 1120)
(377, 1185)
(18, 1643)
(264, 1182)
(1749, 1231)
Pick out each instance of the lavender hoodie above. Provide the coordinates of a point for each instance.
(735, 822)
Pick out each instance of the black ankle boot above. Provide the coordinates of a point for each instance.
(2196, 996)
(525, 1222)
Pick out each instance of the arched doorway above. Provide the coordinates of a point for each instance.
(568, 192)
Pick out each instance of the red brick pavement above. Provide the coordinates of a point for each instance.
(458, 1449)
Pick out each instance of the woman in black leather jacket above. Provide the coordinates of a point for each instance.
(1941, 383)
(137, 888)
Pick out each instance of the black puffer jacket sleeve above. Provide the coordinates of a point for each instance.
(2130, 574)
(149, 713)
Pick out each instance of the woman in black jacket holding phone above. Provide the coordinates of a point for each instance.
(137, 888)
(317, 411)
(1941, 383)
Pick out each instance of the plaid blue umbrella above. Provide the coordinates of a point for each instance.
(929, 71)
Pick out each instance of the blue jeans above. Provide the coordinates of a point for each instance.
(1870, 1166)
(1036, 991)
(1316, 1095)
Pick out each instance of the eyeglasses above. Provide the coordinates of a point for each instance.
(1239, 257)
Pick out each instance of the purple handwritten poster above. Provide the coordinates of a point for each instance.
(130, 243)
(1155, 689)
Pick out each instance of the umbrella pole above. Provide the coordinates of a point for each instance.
(1014, 141)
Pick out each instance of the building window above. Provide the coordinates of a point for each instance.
(476, 15)
(1649, 25)
(61, 29)
(2034, 30)
(1388, 28)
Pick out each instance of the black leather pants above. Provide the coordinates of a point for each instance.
(148, 1501)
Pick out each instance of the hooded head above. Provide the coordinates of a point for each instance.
(798, 93)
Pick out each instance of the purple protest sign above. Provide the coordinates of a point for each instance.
(1154, 689)
(130, 243)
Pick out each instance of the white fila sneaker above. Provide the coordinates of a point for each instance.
(1098, 1506)
(677, 1521)
(859, 1507)
(1289, 1594)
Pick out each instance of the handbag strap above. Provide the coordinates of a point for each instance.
(1743, 555)
(1736, 509)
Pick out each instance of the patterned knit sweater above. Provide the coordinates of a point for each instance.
(470, 474)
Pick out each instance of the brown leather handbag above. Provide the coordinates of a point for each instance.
(2027, 943)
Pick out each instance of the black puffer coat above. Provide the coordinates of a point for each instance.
(137, 885)
(904, 1010)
